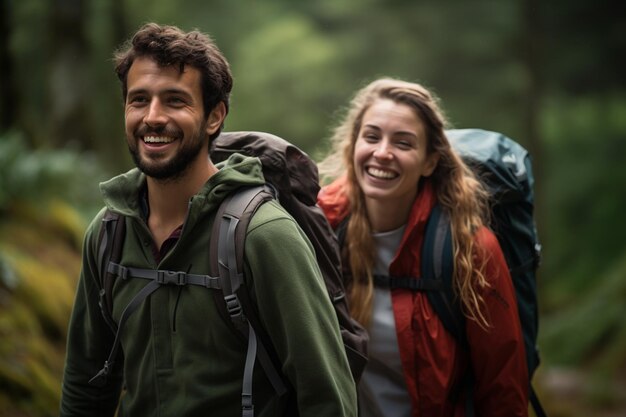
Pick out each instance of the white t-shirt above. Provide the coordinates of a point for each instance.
(382, 390)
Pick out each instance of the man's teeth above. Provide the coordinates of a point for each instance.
(157, 139)
(379, 173)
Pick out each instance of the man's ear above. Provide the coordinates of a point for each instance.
(431, 163)
(216, 118)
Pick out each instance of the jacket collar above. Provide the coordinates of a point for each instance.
(408, 257)
(122, 193)
(334, 201)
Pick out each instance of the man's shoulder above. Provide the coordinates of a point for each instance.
(93, 228)
(272, 223)
(270, 215)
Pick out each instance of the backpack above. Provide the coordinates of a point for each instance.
(505, 168)
(291, 178)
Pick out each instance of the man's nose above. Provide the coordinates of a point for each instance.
(156, 114)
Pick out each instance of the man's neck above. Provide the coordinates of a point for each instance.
(168, 200)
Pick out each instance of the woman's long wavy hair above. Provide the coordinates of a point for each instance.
(457, 190)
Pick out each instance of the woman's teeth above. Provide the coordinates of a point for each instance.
(382, 174)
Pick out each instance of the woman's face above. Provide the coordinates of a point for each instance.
(390, 154)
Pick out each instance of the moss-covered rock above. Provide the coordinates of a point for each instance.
(39, 267)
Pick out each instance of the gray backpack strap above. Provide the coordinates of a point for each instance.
(110, 245)
(100, 379)
(164, 277)
(157, 278)
(227, 250)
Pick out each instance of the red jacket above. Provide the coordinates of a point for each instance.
(431, 358)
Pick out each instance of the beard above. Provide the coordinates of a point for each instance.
(179, 164)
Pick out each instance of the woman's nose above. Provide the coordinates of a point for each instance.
(383, 151)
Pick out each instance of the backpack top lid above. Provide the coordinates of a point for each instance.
(284, 165)
(503, 163)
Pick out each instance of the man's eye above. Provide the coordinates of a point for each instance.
(176, 101)
(137, 100)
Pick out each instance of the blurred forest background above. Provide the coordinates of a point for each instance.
(549, 74)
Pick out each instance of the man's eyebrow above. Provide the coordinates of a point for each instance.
(160, 92)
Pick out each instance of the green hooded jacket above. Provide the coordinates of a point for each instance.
(179, 356)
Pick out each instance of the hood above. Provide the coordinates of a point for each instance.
(120, 194)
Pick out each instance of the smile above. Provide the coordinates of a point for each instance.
(381, 173)
(158, 139)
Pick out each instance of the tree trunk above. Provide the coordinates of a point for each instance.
(532, 39)
(68, 92)
(8, 98)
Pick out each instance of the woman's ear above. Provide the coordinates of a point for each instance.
(431, 163)
(216, 118)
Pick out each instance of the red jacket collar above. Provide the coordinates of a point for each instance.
(334, 201)
(407, 260)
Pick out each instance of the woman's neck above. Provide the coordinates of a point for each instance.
(386, 215)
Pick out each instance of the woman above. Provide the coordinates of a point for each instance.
(391, 163)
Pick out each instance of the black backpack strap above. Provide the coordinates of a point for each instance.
(227, 247)
(536, 404)
(437, 264)
(407, 283)
(110, 243)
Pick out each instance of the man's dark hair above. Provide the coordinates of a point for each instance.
(169, 45)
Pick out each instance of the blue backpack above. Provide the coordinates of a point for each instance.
(506, 169)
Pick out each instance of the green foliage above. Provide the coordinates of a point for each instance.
(280, 70)
(39, 266)
(584, 207)
(39, 175)
(40, 240)
(529, 69)
(591, 335)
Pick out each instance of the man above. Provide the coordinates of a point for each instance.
(179, 356)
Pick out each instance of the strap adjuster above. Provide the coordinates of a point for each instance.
(118, 270)
(211, 282)
(123, 272)
(246, 402)
(233, 305)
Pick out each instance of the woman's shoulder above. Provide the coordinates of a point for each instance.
(486, 239)
(489, 254)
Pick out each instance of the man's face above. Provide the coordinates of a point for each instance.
(166, 127)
